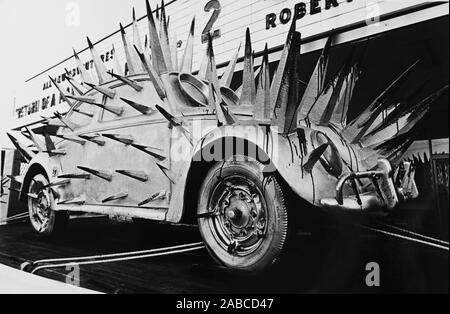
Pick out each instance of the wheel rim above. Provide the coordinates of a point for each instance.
(40, 209)
(239, 215)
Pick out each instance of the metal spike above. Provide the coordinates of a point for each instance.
(277, 80)
(141, 108)
(158, 57)
(73, 201)
(127, 81)
(137, 175)
(117, 68)
(98, 64)
(61, 92)
(287, 100)
(80, 176)
(85, 76)
(84, 113)
(164, 38)
(84, 99)
(214, 105)
(211, 72)
(102, 90)
(92, 138)
(169, 174)
(72, 139)
(53, 123)
(157, 196)
(69, 124)
(103, 174)
(314, 157)
(262, 108)
(76, 86)
(33, 196)
(118, 111)
(223, 114)
(176, 123)
(116, 197)
(56, 152)
(147, 51)
(174, 52)
(133, 64)
(57, 183)
(358, 127)
(154, 77)
(337, 87)
(36, 141)
(14, 190)
(188, 57)
(248, 95)
(315, 94)
(136, 36)
(150, 151)
(49, 145)
(414, 111)
(339, 117)
(229, 72)
(124, 139)
(17, 179)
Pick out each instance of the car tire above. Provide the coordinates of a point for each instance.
(242, 216)
(41, 203)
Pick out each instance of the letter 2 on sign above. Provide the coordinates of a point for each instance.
(213, 4)
(373, 277)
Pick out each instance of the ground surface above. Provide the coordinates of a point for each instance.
(329, 262)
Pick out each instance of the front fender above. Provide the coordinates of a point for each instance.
(285, 154)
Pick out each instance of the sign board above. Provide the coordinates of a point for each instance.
(268, 20)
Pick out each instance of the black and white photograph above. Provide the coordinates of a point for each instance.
(224, 154)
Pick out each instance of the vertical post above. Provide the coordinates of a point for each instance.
(435, 185)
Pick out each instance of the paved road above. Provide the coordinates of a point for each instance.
(329, 262)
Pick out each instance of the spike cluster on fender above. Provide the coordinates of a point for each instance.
(359, 126)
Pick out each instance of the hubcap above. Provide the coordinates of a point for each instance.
(239, 220)
(41, 207)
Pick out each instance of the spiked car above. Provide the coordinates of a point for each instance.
(163, 144)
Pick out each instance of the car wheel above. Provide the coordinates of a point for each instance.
(44, 219)
(242, 216)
